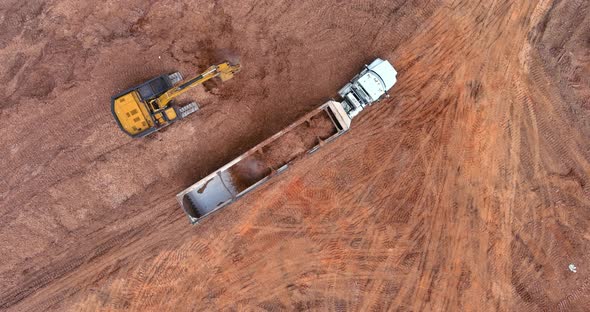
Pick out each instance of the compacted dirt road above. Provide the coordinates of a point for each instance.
(468, 189)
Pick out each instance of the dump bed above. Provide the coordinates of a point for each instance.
(265, 160)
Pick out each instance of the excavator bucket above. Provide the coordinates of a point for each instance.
(227, 71)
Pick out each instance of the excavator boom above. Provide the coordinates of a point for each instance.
(225, 71)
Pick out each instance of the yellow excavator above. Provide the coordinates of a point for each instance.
(147, 108)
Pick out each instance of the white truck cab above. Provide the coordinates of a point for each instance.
(370, 86)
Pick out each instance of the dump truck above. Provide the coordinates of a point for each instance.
(148, 107)
(275, 154)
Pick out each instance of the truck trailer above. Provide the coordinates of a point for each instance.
(275, 154)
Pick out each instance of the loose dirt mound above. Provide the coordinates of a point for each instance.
(468, 189)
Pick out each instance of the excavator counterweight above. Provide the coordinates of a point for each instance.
(147, 108)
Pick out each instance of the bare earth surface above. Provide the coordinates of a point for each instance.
(468, 189)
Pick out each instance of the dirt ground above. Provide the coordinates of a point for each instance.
(468, 189)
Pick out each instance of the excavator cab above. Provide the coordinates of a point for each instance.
(146, 108)
(134, 116)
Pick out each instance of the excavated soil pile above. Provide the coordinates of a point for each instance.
(248, 171)
(467, 190)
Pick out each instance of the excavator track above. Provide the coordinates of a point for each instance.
(188, 109)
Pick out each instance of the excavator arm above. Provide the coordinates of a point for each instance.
(225, 71)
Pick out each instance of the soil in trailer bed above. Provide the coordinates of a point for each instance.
(290, 146)
(468, 189)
